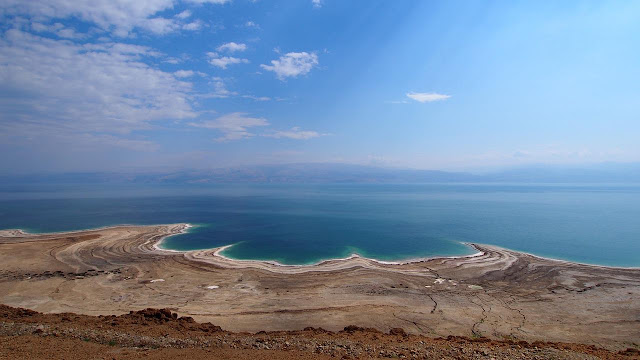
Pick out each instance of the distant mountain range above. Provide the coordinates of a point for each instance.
(345, 173)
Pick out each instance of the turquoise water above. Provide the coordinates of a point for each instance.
(303, 224)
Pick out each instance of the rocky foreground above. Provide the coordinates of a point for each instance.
(161, 334)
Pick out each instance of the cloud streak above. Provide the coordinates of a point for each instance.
(234, 126)
(239, 125)
(295, 133)
(427, 97)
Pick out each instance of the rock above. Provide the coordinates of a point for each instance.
(354, 328)
(316, 330)
(397, 331)
(155, 314)
(630, 352)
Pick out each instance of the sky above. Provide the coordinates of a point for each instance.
(117, 85)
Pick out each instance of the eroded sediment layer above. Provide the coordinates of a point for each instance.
(499, 293)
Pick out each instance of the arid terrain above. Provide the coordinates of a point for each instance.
(161, 334)
(495, 300)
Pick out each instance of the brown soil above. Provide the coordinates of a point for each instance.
(161, 334)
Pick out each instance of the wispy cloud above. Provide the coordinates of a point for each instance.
(239, 125)
(194, 25)
(218, 89)
(52, 135)
(102, 87)
(397, 102)
(316, 3)
(184, 73)
(58, 29)
(292, 64)
(256, 98)
(209, 1)
(251, 24)
(222, 62)
(234, 126)
(120, 18)
(295, 133)
(232, 47)
(427, 97)
(183, 15)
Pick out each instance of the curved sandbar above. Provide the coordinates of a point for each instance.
(485, 256)
(498, 293)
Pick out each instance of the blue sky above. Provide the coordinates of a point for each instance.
(167, 84)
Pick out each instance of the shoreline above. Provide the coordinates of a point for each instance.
(183, 228)
(218, 252)
(157, 244)
(495, 293)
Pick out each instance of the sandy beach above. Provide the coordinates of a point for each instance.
(498, 293)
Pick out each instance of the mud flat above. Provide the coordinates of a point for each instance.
(498, 294)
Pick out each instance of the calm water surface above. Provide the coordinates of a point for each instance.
(302, 224)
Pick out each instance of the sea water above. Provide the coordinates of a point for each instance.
(304, 224)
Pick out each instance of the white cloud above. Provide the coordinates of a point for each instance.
(160, 25)
(257, 98)
(234, 126)
(184, 73)
(194, 25)
(110, 140)
(183, 15)
(232, 47)
(292, 64)
(66, 87)
(238, 125)
(69, 34)
(219, 89)
(316, 3)
(174, 60)
(209, 1)
(251, 24)
(120, 17)
(427, 97)
(295, 133)
(223, 62)
(397, 102)
(46, 135)
(57, 29)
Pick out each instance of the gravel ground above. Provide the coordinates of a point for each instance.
(161, 334)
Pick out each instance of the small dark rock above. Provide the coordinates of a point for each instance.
(397, 331)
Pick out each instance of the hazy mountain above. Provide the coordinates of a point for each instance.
(345, 173)
(597, 173)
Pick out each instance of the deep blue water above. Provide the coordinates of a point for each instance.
(301, 224)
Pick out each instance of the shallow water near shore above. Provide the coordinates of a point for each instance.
(303, 224)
